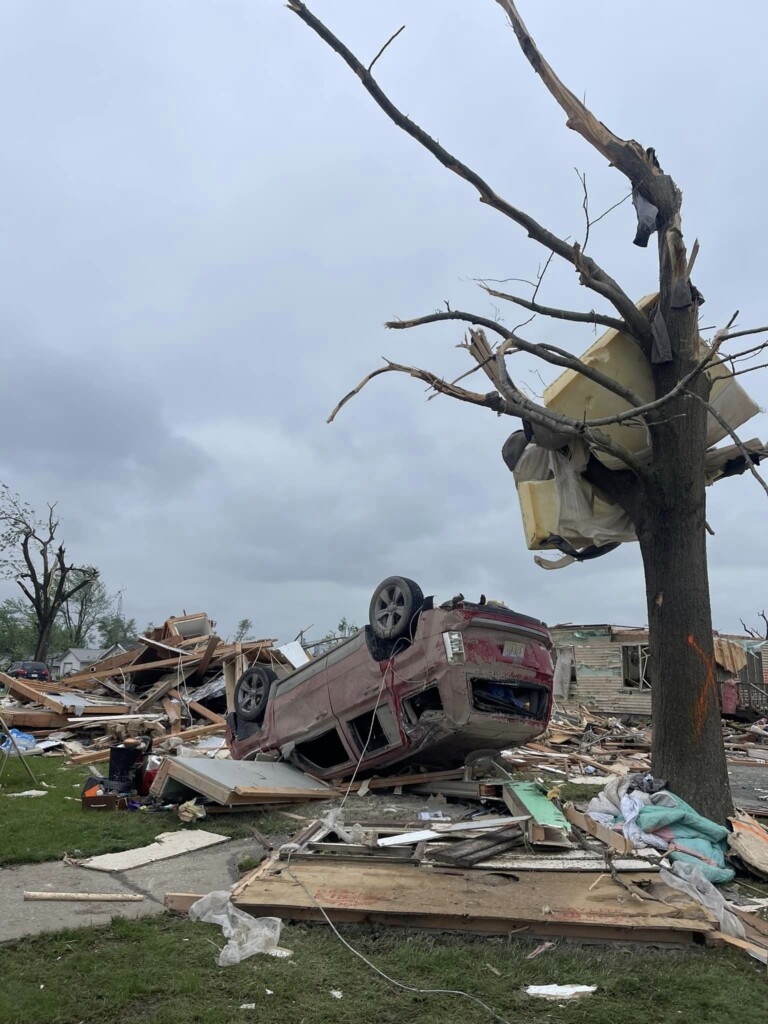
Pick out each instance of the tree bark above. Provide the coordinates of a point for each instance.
(43, 639)
(687, 732)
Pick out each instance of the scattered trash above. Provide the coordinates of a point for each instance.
(336, 993)
(560, 991)
(247, 935)
(247, 1006)
(190, 811)
(30, 792)
(540, 949)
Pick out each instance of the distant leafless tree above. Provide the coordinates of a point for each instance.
(33, 556)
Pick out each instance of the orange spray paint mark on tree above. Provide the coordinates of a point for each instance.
(710, 686)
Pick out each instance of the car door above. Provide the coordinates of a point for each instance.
(302, 718)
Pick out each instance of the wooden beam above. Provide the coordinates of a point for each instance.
(606, 835)
(203, 712)
(174, 714)
(208, 653)
(88, 897)
(147, 666)
(167, 682)
(180, 902)
(21, 689)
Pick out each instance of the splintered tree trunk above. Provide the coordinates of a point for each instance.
(687, 734)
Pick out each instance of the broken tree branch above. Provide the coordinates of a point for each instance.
(590, 273)
(549, 353)
(391, 39)
(628, 156)
(559, 314)
(750, 465)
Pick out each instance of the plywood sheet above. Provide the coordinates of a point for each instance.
(553, 903)
(230, 782)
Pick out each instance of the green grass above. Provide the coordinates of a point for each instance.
(163, 970)
(43, 828)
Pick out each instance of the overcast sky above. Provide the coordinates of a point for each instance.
(206, 222)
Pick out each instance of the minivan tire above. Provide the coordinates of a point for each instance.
(252, 693)
(395, 604)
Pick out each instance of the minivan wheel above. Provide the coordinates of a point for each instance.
(394, 605)
(252, 693)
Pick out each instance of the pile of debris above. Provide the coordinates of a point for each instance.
(491, 853)
(171, 687)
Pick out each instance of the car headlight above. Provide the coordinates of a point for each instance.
(454, 647)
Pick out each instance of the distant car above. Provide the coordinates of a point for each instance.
(29, 670)
(419, 683)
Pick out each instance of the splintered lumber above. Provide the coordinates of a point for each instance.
(438, 832)
(180, 902)
(550, 904)
(606, 835)
(33, 718)
(199, 709)
(184, 669)
(174, 714)
(230, 782)
(146, 666)
(95, 756)
(205, 661)
(547, 826)
(474, 851)
(87, 897)
(31, 693)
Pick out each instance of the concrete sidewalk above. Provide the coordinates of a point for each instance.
(201, 871)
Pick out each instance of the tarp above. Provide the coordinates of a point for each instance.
(693, 838)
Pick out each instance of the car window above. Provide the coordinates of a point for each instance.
(35, 666)
(324, 751)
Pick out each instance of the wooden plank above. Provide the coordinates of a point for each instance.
(116, 662)
(94, 757)
(147, 666)
(208, 653)
(548, 903)
(88, 897)
(180, 902)
(23, 690)
(174, 714)
(199, 709)
(606, 835)
(169, 681)
(31, 718)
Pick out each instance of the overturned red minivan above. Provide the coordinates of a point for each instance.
(420, 683)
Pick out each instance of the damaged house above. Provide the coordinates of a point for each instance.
(609, 668)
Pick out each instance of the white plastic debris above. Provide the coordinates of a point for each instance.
(247, 1006)
(247, 935)
(30, 792)
(560, 991)
(336, 993)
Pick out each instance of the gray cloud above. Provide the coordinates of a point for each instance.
(206, 223)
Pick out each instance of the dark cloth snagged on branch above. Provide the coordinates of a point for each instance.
(545, 437)
(661, 350)
(646, 218)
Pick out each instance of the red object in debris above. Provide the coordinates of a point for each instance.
(730, 696)
(146, 782)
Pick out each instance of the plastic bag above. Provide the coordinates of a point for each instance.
(247, 935)
(23, 741)
(690, 880)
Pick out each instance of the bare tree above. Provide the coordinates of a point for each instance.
(756, 634)
(663, 495)
(31, 555)
(82, 613)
